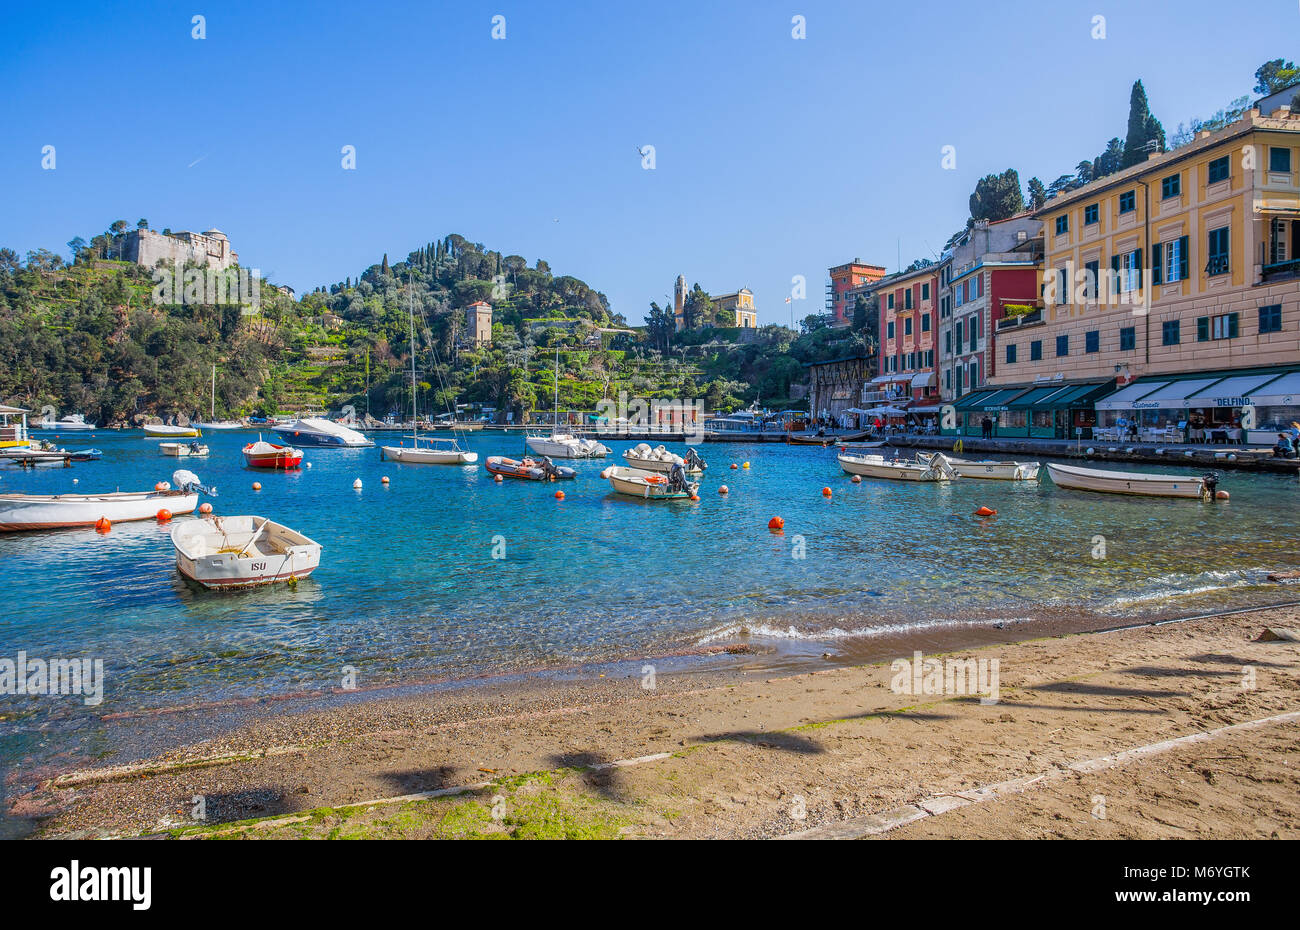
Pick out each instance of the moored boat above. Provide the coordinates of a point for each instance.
(531, 469)
(219, 424)
(167, 431)
(182, 449)
(263, 454)
(242, 552)
(997, 471)
(1076, 478)
(317, 431)
(427, 450)
(74, 421)
(19, 512)
(660, 459)
(562, 445)
(932, 468)
(651, 485)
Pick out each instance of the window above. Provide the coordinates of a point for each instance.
(1090, 214)
(907, 326)
(1093, 270)
(960, 386)
(925, 322)
(889, 330)
(1011, 353)
(1171, 186)
(974, 372)
(925, 291)
(1279, 159)
(959, 291)
(960, 330)
(1127, 339)
(1218, 251)
(891, 300)
(947, 380)
(1128, 202)
(1169, 261)
(1092, 340)
(1270, 319)
(947, 342)
(1220, 169)
(945, 306)
(907, 299)
(1128, 271)
(1169, 334)
(1036, 350)
(1062, 346)
(976, 287)
(1063, 224)
(1223, 326)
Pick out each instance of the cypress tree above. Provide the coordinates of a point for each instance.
(1145, 134)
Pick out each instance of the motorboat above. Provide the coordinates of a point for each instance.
(660, 459)
(317, 431)
(924, 468)
(220, 424)
(73, 421)
(20, 512)
(997, 471)
(242, 552)
(531, 469)
(427, 450)
(1076, 478)
(168, 431)
(263, 454)
(651, 485)
(561, 445)
(182, 449)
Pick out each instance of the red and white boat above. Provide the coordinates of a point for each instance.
(263, 454)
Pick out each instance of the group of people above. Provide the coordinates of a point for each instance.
(1288, 442)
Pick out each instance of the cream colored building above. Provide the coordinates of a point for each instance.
(478, 323)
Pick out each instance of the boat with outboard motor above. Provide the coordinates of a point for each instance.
(660, 459)
(1077, 478)
(933, 467)
(20, 512)
(993, 470)
(651, 485)
(531, 469)
(263, 454)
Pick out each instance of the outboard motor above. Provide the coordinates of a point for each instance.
(692, 458)
(549, 469)
(677, 478)
(1210, 483)
(185, 480)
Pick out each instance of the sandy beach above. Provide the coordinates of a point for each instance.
(1184, 729)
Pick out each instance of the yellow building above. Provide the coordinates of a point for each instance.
(741, 303)
(1182, 268)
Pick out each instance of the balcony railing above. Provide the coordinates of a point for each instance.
(1014, 322)
(1281, 270)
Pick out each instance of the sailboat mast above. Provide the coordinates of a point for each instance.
(415, 415)
(212, 414)
(557, 390)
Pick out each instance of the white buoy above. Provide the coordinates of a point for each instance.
(306, 464)
(1090, 450)
(384, 480)
(357, 484)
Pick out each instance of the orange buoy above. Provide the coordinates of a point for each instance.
(559, 495)
(722, 489)
(103, 525)
(734, 466)
(163, 515)
(856, 479)
(384, 480)
(826, 492)
(257, 485)
(159, 486)
(1220, 495)
(776, 523)
(205, 507)
(694, 497)
(496, 478)
(985, 512)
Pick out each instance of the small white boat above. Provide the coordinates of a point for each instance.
(650, 485)
(74, 421)
(931, 468)
(1076, 478)
(20, 512)
(427, 450)
(165, 431)
(659, 459)
(241, 552)
(560, 445)
(997, 471)
(220, 424)
(317, 431)
(182, 449)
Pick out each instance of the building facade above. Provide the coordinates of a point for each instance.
(478, 323)
(210, 249)
(740, 304)
(845, 278)
(908, 318)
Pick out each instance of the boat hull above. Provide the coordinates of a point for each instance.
(567, 448)
(171, 432)
(419, 456)
(1115, 482)
(268, 455)
(323, 434)
(21, 512)
(997, 471)
(877, 466)
(526, 469)
(180, 449)
(208, 552)
(637, 482)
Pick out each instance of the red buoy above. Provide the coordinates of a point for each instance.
(257, 485)
(826, 492)
(205, 507)
(163, 515)
(776, 524)
(722, 489)
(559, 495)
(985, 512)
(103, 525)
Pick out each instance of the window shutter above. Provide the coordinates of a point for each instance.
(1157, 254)
(1232, 325)
(1183, 244)
(1202, 329)
(1114, 267)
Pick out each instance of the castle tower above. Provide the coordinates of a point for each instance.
(679, 301)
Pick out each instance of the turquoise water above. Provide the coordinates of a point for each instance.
(408, 588)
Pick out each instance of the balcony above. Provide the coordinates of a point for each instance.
(1033, 318)
(1281, 271)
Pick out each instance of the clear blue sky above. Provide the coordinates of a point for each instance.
(775, 157)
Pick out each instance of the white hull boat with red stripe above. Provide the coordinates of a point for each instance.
(242, 552)
(263, 454)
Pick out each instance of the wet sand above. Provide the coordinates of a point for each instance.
(731, 747)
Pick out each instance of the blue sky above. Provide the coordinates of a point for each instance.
(774, 156)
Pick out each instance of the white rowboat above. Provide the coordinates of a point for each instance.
(648, 485)
(182, 449)
(242, 552)
(429, 451)
(20, 512)
(1130, 482)
(997, 471)
(933, 468)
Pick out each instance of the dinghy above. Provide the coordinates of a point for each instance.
(263, 454)
(997, 471)
(659, 459)
(164, 431)
(932, 468)
(19, 512)
(542, 469)
(651, 485)
(1076, 478)
(241, 552)
(182, 449)
(427, 450)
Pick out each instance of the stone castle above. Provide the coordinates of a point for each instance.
(210, 249)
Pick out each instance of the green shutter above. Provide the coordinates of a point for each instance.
(1114, 267)
(1183, 245)
(1157, 271)
(1202, 329)
(1232, 325)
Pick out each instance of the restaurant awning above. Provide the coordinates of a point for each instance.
(1281, 391)
(924, 379)
(999, 400)
(1172, 396)
(972, 400)
(1039, 395)
(1126, 397)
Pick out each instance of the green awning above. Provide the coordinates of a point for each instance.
(972, 400)
(1037, 396)
(1081, 395)
(999, 399)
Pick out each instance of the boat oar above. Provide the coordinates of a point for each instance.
(256, 533)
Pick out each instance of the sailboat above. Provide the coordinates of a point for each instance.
(425, 450)
(560, 444)
(212, 421)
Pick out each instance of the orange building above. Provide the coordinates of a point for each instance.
(839, 304)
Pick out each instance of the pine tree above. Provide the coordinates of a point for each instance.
(1037, 194)
(1145, 134)
(384, 269)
